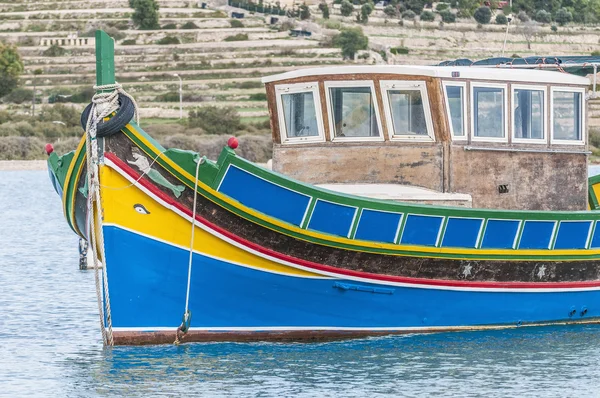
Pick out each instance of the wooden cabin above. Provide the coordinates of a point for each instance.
(507, 138)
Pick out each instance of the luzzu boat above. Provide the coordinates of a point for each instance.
(352, 234)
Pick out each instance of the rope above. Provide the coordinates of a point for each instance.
(103, 104)
(186, 314)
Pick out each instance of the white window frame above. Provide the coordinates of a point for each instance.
(312, 87)
(387, 85)
(349, 84)
(450, 83)
(580, 90)
(504, 87)
(544, 89)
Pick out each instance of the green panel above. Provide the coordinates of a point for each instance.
(105, 59)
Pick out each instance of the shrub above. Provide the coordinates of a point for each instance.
(304, 12)
(596, 53)
(416, 6)
(249, 84)
(523, 17)
(128, 42)
(238, 37)
(501, 19)
(169, 40)
(21, 148)
(190, 25)
(554, 28)
(483, 15)
(20, 95)
(324, 8)
(448, 17)
(145, 15)
(408, 14)
(563, 17)
(215, 120)
(346, 8)
(441, 6)
(399, 50)
(236, 23)
(258, 97)
(351, 40)
(543, 16)
(169, 26)
(390, 11)
(54, 51)
(365, 11)
(427, 16)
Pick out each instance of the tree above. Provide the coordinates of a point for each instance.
(427, 16)
(351, 40)
(365, 11)
(214, 120)
(304, 12)
(483, 15)
(529, 30)
(324, 8)
(346, 8)
(11, 67)
(501, 19)
(390, 11)
(415, 6)
(448, 16)
(563, 17)
(145, 14)
(543, 16)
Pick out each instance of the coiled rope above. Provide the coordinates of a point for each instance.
(104, 103)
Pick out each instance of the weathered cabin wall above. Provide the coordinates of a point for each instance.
(535, 181)
(419, 165)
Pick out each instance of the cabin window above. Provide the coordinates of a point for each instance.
(456, 104)
(489, 112)
(353, 114)
(299, 111)
(567, 116)
(529, 114)
(407, 110)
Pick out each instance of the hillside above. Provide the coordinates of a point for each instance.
(221, 65)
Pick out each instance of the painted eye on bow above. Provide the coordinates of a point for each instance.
(140, 209)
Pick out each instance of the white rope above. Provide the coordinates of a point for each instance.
(186, 313)
(103, 104)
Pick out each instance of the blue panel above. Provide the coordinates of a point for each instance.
(572, 235)
(500, 234)
(332, 218)
(536, 235)
(595, 243)
(461, 232)
(421, 230)
(378, 226)
(264, 196)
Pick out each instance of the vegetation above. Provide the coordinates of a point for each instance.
(483, 15)
(501, 19)
(324, 8)
(427, 16)
(390, 11)
(54, 51)
(169, 40)
(11, 67)
(238, 37)
(399, 50)
(145, 14)
(214, 120)
(19, 95)
(236, 23)
(189, 25)
(563, 16)
(351, 40)
(448, 16)
(365, 11)
(346, 8)
(304, 12)
(543, 16)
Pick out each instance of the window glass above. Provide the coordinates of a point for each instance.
(408, 115)
(354, 113)
(455, 95)
(300, 116)
(566, 108)
(528, 113)
(488, 112)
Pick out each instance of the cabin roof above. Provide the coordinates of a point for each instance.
(502, 74)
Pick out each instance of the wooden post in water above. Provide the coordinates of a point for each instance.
(105, 59)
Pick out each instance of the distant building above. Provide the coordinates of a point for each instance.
(71, 40)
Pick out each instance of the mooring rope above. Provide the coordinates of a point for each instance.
(187, 314)
(103, 104)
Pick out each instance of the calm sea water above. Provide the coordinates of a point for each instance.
(50, 344)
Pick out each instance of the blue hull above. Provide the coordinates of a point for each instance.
(148, 278)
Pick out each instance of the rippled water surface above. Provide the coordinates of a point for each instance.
(50, 344)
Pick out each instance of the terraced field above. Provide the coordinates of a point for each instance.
(219, 71)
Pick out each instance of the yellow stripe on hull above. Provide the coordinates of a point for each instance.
(164, 224)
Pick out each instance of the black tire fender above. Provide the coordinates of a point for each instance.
(116, 123)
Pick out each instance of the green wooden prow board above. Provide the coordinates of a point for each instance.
(105, 59)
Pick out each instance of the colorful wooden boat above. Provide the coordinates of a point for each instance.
(275, 258)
